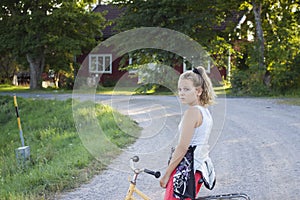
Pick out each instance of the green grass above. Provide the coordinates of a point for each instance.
(16, 89)
(291, 97)
(115, 91)
(290, 101)
(9, 88)
(58, 159)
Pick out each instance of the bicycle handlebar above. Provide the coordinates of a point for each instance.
(156, 174)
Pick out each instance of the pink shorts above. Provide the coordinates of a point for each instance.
(169, 189)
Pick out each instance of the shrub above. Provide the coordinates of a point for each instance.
(248, 82)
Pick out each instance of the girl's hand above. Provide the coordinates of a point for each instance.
(164, 181)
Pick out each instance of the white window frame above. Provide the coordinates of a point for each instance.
(94, 60)
(185, 67)
(131, 71)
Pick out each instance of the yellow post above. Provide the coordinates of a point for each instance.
(19, 121)
(22, 153)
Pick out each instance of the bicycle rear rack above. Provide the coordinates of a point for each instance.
(225, 196)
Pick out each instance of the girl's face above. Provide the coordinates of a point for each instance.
(188, 93)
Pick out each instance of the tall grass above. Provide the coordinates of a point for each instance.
(58, 160)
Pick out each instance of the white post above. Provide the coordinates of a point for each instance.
(229, 66)
(184, 64)
(208, 66)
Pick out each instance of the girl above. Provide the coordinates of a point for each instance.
(190, 165)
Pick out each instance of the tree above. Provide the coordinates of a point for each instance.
(7, 67)
(39, 30)
(282, 56)
(203, 21)
(274, 23)
(200, 20)
(274, 52)
(257, 9)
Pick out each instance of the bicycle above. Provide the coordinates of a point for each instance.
(133, 189)
(225, 196)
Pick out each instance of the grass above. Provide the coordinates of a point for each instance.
(16, 89)
(58, 158)
(290, 101)
(291, 97)
(114, 91)
(9, 88)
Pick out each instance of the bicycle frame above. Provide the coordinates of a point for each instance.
(225, 196)
(132, 187)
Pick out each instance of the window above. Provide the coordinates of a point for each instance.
(100, 63)
(188, 66)
(130, 62)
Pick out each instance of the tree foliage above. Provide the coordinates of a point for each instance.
(7, 67)
(283, 44)
(201, 20)
(271, 58)
(280, 47)
(44, 32)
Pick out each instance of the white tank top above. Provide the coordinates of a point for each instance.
(201, 137)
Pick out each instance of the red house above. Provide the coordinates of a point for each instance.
(105, 64)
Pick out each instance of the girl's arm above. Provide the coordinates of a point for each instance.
(191, 119)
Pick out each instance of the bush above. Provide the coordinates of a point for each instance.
(286, 78)
(248, 82)
(109, 83)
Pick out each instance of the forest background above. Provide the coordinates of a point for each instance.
(258, 40)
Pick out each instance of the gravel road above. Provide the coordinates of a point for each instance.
(257, 151)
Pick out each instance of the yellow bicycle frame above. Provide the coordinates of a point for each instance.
(132, 189)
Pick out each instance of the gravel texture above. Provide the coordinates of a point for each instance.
(255, 148)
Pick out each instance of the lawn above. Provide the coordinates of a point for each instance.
(9, 88)
(58, 159)
(290, 101)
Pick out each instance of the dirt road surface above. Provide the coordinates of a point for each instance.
(256, 152)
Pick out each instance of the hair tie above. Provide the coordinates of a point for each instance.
(195, 70)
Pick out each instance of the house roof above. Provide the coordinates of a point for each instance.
(113, 12)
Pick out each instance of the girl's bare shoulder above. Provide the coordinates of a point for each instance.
(192, 111)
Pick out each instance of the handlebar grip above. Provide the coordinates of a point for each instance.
(156, 174)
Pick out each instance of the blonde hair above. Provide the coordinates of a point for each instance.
(200, 79)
